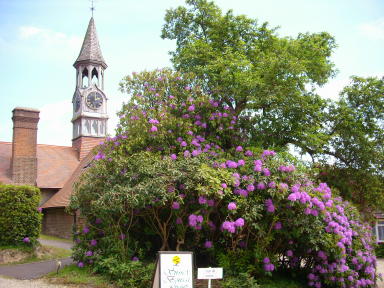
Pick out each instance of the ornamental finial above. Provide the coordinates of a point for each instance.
(92, 7)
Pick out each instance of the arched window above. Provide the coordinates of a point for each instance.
(95, 77)
(85, 78)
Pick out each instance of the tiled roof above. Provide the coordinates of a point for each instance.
(55, 164)
(90, 50)
(62, 197)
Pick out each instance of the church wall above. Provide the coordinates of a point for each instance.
(56, 222)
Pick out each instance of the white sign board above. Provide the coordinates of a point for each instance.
(210, 273)
(175, 269)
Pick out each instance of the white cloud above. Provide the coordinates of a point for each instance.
(49, 37)
(332, 89)
(374, 29)
(55, 125)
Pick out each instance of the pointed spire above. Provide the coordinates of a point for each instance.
(90, 51)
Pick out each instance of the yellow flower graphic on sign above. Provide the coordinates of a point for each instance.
(176, 260)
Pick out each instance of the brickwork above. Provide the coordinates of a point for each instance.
(56, 222)
(84, 145)
(24, 145)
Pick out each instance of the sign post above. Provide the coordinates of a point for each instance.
(174, 269)
(210, 273)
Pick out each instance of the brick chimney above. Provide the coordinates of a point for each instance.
(24, 143)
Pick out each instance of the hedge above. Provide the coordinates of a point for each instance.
(20, 219)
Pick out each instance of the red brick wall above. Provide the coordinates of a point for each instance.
(24, 145)
(85, 144)
(57, 222)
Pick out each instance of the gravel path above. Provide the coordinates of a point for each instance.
(32, 270)
(11, 283)
(58, 244)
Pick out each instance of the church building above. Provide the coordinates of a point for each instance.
(54, 169)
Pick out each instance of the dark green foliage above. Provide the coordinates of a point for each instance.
(243, 280)
(129, 274)
(19, 216)
(266, 78)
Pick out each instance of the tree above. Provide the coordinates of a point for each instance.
(268, 80)
(356, 131)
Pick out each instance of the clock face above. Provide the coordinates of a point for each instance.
(77, 103)
(94, 100)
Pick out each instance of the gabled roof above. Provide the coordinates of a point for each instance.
(90, 50)
(55, 164)
(62, 197)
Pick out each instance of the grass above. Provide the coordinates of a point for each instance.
(44, 253)
(48, 237)
(72, 275)
(282, 280)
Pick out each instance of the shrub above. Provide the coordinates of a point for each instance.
(128, 274)
(179, 175)
(19, 216)
(243, 280)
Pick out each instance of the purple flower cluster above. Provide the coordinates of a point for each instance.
(195, 221)
(231, 226)
(268, 266)
(269, 206)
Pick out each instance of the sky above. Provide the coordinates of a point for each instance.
(41, 39)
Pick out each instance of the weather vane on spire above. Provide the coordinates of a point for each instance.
(92, 7)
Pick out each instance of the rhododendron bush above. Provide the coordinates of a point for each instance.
(180, 176)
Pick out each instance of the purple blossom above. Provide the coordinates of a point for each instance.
(266, 172)
(80, 264)
(261, 186)
(134, 258)
(269, 205)
(85, 230)
(173, 156)
(202, 200)
(269, 267)
(89, 253)
(278, 226)
(239, 149)
(176, 205)
(208, 244)
(266, 260)
(231, 164)
(250, 187)
(153, 129)
(191, 108)
(232, 206)
(153, 121)
(229, 226)
(26, 240)
(93, 242)
(248, 153)
(239, 222)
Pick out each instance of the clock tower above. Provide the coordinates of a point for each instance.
(89, 101)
